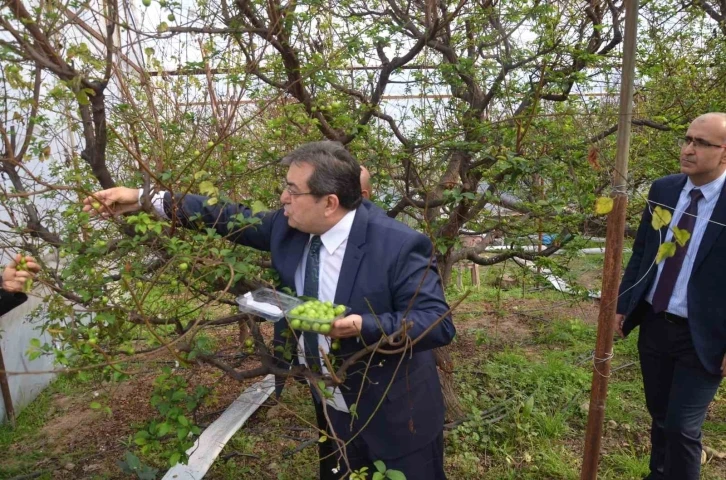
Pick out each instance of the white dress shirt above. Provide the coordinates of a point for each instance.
(331, 260)
(678, 304)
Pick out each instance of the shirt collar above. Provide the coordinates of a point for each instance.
(333, 238)
(708, 190)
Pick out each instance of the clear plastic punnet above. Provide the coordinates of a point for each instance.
(315, 316)
(267, 303)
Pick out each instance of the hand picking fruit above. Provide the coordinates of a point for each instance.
(18, 275)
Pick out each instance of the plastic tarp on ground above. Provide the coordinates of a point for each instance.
(16, 331)
(212, 440)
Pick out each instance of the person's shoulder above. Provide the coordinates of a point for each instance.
(390, 229)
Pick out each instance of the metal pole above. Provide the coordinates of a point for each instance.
(613, 255)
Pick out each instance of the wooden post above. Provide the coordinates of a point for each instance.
(5, 388)
(475, 275)
(613, 255)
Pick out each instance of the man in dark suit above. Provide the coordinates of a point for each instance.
(680, 303)
(326, 243)
(12, 282)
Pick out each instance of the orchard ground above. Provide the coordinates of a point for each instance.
(522, 369)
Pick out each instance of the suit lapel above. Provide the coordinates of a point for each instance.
(353, 257)
(670, 199)
(293, 255)
(713, 229)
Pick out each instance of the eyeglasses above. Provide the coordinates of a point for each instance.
(296, 194)
(292, 193)
(698, 143)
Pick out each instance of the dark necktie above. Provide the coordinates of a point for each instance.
(310, 289)
(672, 266)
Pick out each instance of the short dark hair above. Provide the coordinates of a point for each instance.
(336, 171)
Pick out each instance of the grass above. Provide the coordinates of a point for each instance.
(28, 428)
(546, 441)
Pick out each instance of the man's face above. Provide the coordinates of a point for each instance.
(699, 160)
(304, 212)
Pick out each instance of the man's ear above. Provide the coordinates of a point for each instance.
(331, 204)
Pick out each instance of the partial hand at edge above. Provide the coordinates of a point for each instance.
(619, 320)
(347, 327)
(113, 201)
(14, 279)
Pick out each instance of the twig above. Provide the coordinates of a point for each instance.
(30, 476)
(621, 367)
(483, 415)
(300, 447)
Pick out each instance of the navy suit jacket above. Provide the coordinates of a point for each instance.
(8, 300)
(705, 296)
(388, 274)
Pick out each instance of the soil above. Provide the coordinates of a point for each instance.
(81, 441)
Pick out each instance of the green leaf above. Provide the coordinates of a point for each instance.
(207, 188)
(82, 97)
(666, 249)
(529, 405)
(661, 218)
(322, 439)
(183, 420)
(380, 466)
(395, 475)
(681, 236)
(164, 428)
(258, 207)
(378, 476)
(132, 460)
(603, 205)
(174, 459)
(95, 405)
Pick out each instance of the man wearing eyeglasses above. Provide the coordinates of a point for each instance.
(327, 243)
(680, 303)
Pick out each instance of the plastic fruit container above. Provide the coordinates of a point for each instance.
(267, 303)
(315, 316)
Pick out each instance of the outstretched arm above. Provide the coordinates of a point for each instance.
(233, 221)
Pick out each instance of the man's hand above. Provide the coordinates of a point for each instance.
(347, 327)
(18, 272)
(619, 320)
(113, 201)
(723, 367)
